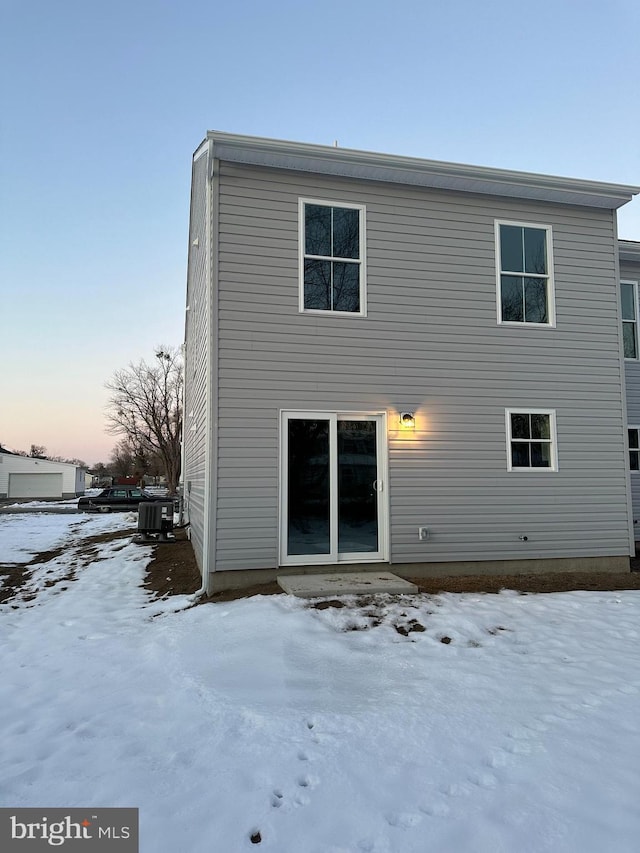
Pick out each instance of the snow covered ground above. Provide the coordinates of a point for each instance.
(511, 724)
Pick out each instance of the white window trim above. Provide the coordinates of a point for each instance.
(630, 450)
(362, 262)
(636, 312)
(522, 410)
(551, 294)
(382, 555)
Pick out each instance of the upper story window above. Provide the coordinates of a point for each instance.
(531, 440)
(524, 274)
(629, 300)
(634, 448)
(332, 274)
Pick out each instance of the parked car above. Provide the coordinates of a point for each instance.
(119, 498)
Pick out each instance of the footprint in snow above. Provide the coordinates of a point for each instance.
(498, 759)
(483, 780)
(403, 820)
(437, 809)
(455, 789)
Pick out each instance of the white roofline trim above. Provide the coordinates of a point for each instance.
(629, 250)
(367, 165)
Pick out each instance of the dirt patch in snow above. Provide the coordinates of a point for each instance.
(173, 569)
(560, 582)
(15, 578)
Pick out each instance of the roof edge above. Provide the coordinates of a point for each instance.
(413, 170)
(629, 250)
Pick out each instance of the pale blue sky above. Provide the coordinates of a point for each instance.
(104, 103)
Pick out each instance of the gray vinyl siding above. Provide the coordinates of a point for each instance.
(430, 343)
(631, 272)
(196, 360)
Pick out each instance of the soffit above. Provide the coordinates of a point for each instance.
(365, 165)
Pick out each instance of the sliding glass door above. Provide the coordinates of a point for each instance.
(332, 506)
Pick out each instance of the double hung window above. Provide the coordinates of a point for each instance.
(332, 275)
(531, 440)
(525, 274)
(629, 301)
(634, 448)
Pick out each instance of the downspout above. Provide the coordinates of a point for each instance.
(211, 377)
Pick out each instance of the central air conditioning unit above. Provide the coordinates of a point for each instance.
(155, 521)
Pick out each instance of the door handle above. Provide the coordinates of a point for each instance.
(377, 485)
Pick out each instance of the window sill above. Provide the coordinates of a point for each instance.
(532, 470)
(517, 325)
(321, 313)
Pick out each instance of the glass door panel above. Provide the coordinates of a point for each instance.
(333, 507)
(357, 483)
(309, 499)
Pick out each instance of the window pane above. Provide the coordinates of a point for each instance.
(628, 302)
(317, 285)
(634, 460)
(629, 340)
(512, 301)
(535, 300)
(357, 499)
(535, 250)
(520, 426)
(308, 481)
(540, 455)
(540, 427)
(317, 230)
(346, 233)
(519, 455)
(511, 250)
(346, 287)
(633, 438)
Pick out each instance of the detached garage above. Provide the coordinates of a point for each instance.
(35, 485)
(25, 478)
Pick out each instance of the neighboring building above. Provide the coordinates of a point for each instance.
(399, 361)
(25, 477)
(629, 252)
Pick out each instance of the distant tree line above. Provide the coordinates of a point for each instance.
(39, 451)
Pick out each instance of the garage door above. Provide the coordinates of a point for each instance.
(35, 485)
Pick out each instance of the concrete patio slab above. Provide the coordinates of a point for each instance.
(344, 583)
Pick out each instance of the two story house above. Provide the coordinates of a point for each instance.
(399, 362)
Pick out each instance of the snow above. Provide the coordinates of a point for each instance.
(326, 731)
(21, 536)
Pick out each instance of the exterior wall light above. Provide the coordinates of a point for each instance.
(407, 420)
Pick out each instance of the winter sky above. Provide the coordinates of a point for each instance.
(103, 104)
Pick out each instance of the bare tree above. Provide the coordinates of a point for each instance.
(121, 463)
(146, 408)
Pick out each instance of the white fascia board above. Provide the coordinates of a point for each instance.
(629, 250)
(201, 149)
(367, 165)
